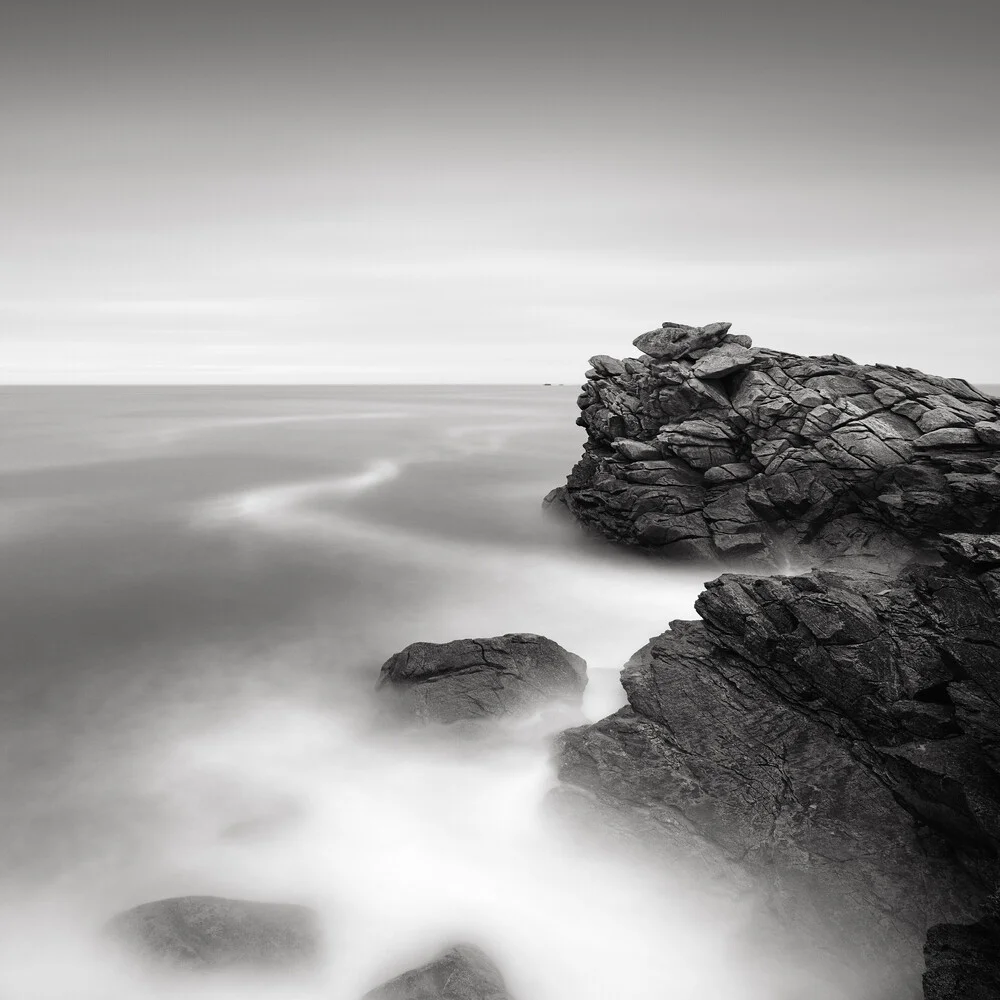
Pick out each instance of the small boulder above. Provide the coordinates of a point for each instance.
(511, 674)
(675, 340)
(210, 932)
(988, 431)
(463, 973)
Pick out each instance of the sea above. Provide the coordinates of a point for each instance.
(198, 588)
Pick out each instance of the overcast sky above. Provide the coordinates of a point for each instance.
(287, 191)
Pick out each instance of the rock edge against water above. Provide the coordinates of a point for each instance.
(706, 447)
(831, 741)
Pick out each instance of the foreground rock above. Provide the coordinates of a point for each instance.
(464, 973)
(209, 932)
(706, 447)
(481, 678)
(832, 741)
(963, 961)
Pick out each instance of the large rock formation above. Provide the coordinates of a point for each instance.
(831, 740)
(481, 678)
(463, 973)
(209, 932)
(706, 447)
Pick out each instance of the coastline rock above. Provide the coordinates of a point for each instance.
(467, 679)
(830, 739)
(963, 961)
(210, 932)
(843, 460)
(463, 973)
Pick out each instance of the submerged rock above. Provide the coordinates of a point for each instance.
(831, 740)
(842, 459)
(210, 932)
(511, 674)
(463, 973)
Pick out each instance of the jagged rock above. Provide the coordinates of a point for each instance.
(833, 740)
(675, 340)
(844, 460)
(463, 973)
(482, 678)
(209, 932)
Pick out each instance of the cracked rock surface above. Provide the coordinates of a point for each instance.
(832, 741)
(706, 447)
(466, 679)
(463, 973)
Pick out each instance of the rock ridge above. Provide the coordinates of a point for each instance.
(707, 447)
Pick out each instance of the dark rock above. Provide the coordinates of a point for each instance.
(963, 962)
(482, 678)
(209, 932)
(832, 740)
(555, 498)
(463, 973)
(866, 462)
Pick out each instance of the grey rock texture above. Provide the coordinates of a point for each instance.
(834, 458)
(963, 961)
(463, 973)
(470, 679)
(210, 932)
(831, 740)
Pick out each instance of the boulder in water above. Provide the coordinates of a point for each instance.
(463, 973)
(511, 674)
(210, 932)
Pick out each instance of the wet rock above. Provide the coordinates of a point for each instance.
(510, 674)
(883, 460)
(831, 740)
(463, 973)
(210, 932)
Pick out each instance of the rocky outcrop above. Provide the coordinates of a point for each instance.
(474, 679)
(463, 973)
(831, 740)
(707, 447)
(209, 932)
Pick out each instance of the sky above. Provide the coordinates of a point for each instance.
(263, 192)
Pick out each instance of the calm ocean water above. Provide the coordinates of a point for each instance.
(198, 588)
